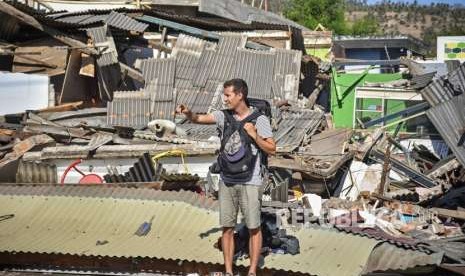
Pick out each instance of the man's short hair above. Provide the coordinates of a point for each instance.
(239, 86)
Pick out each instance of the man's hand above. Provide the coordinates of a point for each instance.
(251, 130)
(193, 117)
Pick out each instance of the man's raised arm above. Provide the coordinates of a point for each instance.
(194, 117)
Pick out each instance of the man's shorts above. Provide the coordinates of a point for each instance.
(244, 196)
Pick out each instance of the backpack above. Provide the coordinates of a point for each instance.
(238, 167)
(236, 160)
(263, 106)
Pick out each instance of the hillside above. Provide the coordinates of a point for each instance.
(423, 22)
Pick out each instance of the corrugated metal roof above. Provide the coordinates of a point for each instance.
(199, 132)
(124, 22)
(256, 68)
(219, 64)
(129, 108)
(35, 172)
(74, 225)
(83, 19)
(160, 70)
(103, 191)
(286, 73)
(187, 51)
(457, 78)
(449, 119)
(380, 235)
(389, 257)
(187, 97)
(294, 126)
(203, 22)
(163, 109)
(102, 38)
(444, 88)
(108, 68)
(437, 92)
(421, 81)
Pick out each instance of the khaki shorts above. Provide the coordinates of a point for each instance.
(244, 196)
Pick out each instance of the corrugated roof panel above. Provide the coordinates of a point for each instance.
(294, 126)
(98, 34)
(219, 64)
(230, 42)
(187, 96)
(457, 78)
(199, 132)
(286, 73)
(103, 39)
(124, 22)
(216, 89)
(83, 19)
(205, 62)
(160, 92)
(130, 108)
(437, 92)
(160, 70)
(202, 101)
(256, 68)
(75, 225)
(190, 44)
(34, 172)
(421, 81)
(389, 257)
(449, 119)
(108, 68)
(163, 110)
(183, 84)
(187, 51)
(103, 191)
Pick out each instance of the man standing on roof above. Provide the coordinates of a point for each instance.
(246, 140)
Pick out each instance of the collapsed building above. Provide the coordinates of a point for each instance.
(91, 149)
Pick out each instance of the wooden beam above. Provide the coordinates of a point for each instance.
(133, 73)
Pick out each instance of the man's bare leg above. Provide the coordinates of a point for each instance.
(255, 247)
(227, 242)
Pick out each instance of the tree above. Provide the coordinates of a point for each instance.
(310, 13)
(368, 25)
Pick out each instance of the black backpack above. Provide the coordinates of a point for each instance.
(263, 106)
(241, 170)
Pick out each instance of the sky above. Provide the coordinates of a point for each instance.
(426, 2)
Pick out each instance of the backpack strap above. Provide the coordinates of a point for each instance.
(252, 118)
(230, 124)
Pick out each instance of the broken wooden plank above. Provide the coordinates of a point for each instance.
(62, 107)
(133, 73)
(449, 213)
(87, 65)
(75, 86)
(20, 148)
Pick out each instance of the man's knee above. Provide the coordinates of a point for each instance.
(229, 231)
(254, 231)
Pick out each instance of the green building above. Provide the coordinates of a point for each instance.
(355, 98)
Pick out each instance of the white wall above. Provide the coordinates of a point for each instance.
(19, 92)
